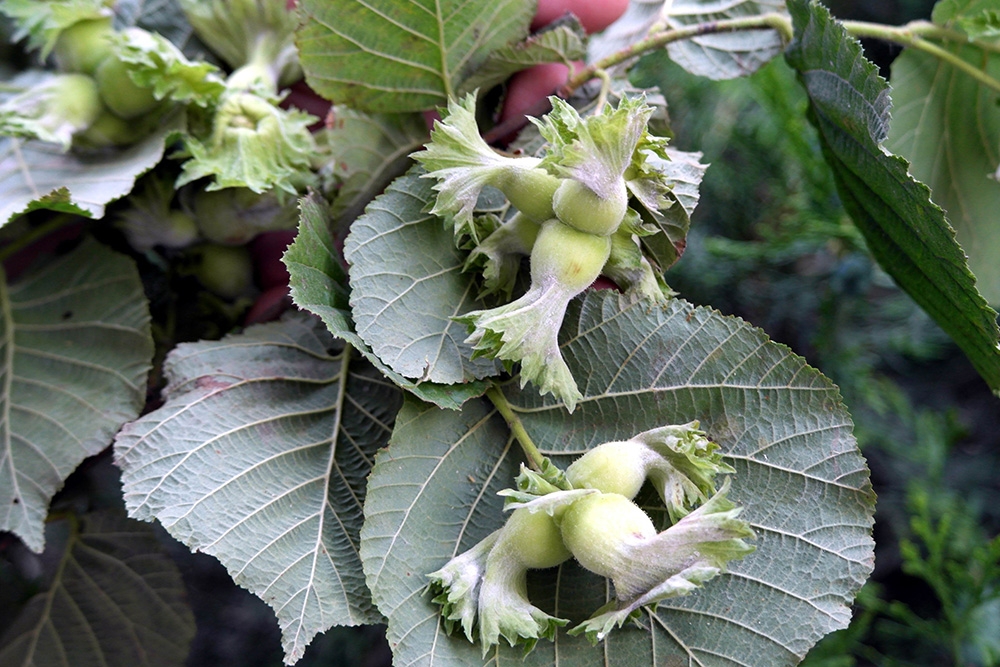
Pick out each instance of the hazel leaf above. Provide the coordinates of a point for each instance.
(804, 487)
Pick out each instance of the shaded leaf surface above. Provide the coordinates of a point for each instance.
(562, 44)
(407, 285)
(76, 352)
(905, 231)
(686, 172)
(115, 598)
(719, 56)
(800, 477)
(259, 457)
(319, 285)
(386, 56)
(368, 151)
(36, 175)
(946, 124)
(166, 18)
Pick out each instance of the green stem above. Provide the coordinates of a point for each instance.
(773, 21)
(914, 37)
(535, 458)
(924, 29)
(915, 34)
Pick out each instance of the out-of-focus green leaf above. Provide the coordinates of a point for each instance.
(36, 175)
(366, 152)
(76, 349)
(562, 44)
(407, 285)
(906, 232)
(114, 597)
(946, 124)
(718, 56)
(384, 56)
(164, 17)
(319, 285)
(259, 457)
(979, 19)
(804, 486)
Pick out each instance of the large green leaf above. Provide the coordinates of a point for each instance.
(716, 56)
(905, 231)
(112, 597)
(407, 286)
(946, 124)
(319, 285)
(36, 175)
(259, 457)
(76, 350)
(800, 477)
(387, 56)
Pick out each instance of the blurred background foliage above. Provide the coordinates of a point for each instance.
(770, 243)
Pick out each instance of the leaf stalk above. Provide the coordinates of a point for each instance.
(915, 34)
(535, 458)
(773, 21)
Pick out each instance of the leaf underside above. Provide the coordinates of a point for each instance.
(407, 286)
(318, 284)
(715, 56)
(76, 349)
(36, 175)
(259, 457)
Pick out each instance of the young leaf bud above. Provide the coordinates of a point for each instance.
(501, 252)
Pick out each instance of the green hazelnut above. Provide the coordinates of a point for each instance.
(535, 539)
(120, 94)
(598, 529)
(84, 45)
(570, 257)
(530, 191)
(613, 467)
(578, 206)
